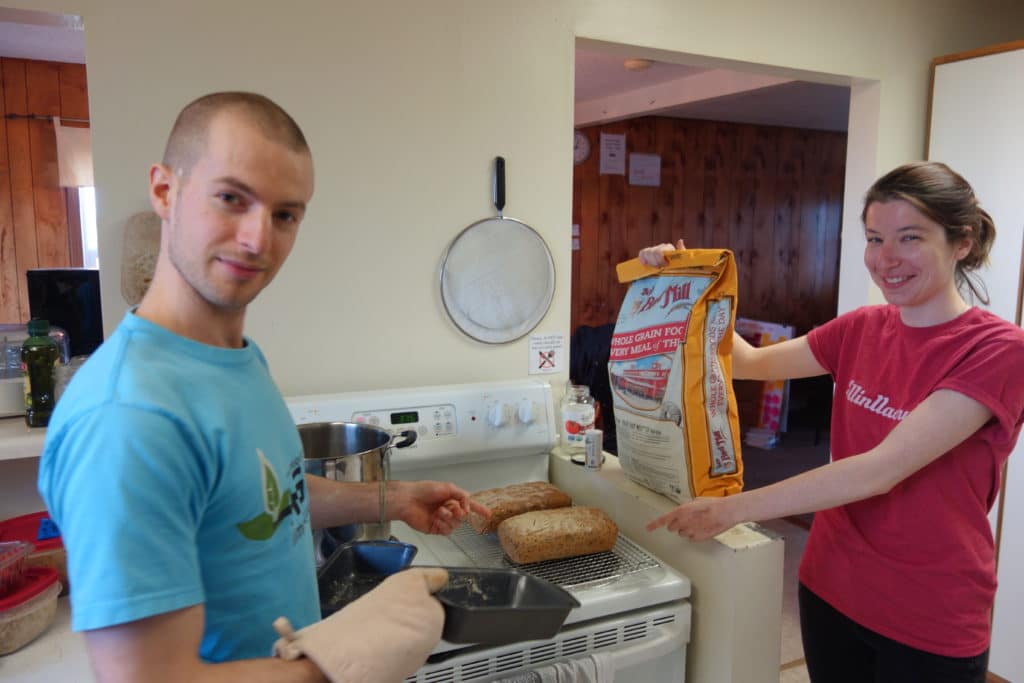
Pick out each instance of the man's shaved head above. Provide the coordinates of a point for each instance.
(187, 140)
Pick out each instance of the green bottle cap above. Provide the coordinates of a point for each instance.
(38, 327)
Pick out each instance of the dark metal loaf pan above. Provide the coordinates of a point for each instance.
(355, 569)
(501, 606)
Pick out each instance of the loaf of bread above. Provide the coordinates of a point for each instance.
(516, 499)
(554, 534)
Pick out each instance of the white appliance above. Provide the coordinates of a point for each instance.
(976, 99)
(634, 610)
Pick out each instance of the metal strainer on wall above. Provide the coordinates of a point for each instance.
(497, 275)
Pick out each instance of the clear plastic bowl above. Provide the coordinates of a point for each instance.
(11, 339)
(12, 565)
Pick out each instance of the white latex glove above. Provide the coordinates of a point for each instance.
(382, 637)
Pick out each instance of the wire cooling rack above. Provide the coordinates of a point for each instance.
(484, 550)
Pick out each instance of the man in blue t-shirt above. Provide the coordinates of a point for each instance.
(172, 465)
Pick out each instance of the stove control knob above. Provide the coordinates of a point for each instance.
(496, 415)
(525, 413)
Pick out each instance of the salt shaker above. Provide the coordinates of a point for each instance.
(593, 447)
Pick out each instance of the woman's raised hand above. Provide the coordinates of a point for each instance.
(655, 256)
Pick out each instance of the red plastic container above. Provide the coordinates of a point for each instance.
(48, 552)
(28, 611)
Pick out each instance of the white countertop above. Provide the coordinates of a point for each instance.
(736, 576)
(17, 440)
(58, 654)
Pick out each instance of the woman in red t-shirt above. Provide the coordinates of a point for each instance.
(898, 578)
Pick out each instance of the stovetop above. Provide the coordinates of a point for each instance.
(625, 579)
(487, 435)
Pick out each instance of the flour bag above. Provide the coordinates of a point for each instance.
(670, 369)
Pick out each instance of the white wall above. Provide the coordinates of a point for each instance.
(406, 103)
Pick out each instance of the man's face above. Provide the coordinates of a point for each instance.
(233, 219)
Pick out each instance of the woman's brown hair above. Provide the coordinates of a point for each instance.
(942, 194)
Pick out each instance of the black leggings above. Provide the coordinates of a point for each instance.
(839, 650)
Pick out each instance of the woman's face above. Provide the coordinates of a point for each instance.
(910, 259)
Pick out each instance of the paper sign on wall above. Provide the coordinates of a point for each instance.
(613, 154)
(547, 354)
(645, 169)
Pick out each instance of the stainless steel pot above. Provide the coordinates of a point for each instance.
(344, 451)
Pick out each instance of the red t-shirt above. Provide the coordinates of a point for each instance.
(917, 564)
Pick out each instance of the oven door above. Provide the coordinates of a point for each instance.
(646, 645)
(633, 618)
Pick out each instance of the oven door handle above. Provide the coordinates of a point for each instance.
(670, 637)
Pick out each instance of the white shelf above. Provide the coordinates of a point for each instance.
(18, 440)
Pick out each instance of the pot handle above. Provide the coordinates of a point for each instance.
(409, 436)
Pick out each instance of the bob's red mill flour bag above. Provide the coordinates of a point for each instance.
(671, 374)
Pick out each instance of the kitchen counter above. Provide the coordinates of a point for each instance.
(736, 577)
(736, 584)
(18, 440)
(58, 654)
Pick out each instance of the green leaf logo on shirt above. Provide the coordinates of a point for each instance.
(259, 528)
(276, 505)
(271, 489)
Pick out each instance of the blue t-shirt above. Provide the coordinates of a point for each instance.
(174, 472)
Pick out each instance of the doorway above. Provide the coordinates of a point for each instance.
(752, 158)
(47, 206)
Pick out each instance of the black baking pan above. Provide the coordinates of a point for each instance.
(501, 606)
(356, 568)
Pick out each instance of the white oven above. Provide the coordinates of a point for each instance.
(634, 615)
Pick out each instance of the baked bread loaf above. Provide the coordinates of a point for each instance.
(554, 534)
(516, 499)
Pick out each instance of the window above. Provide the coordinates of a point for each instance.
(87, 217)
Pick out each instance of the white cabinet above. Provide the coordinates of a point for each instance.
(977, 127)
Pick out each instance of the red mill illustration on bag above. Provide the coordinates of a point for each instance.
(671, 374)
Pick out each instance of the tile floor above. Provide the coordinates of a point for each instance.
(797, 451)
(792, 652)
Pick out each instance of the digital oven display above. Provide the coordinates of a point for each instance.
(406, 418)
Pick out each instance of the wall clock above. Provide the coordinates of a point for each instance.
(580, 147)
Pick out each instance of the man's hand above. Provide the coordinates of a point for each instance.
(699, 519)
(434, 507)
(655, 256)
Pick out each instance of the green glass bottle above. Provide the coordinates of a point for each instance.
(39, 356)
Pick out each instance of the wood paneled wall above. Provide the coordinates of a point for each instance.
(35, 212)
(772, 195)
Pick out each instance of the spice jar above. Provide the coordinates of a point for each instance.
(578, 414)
